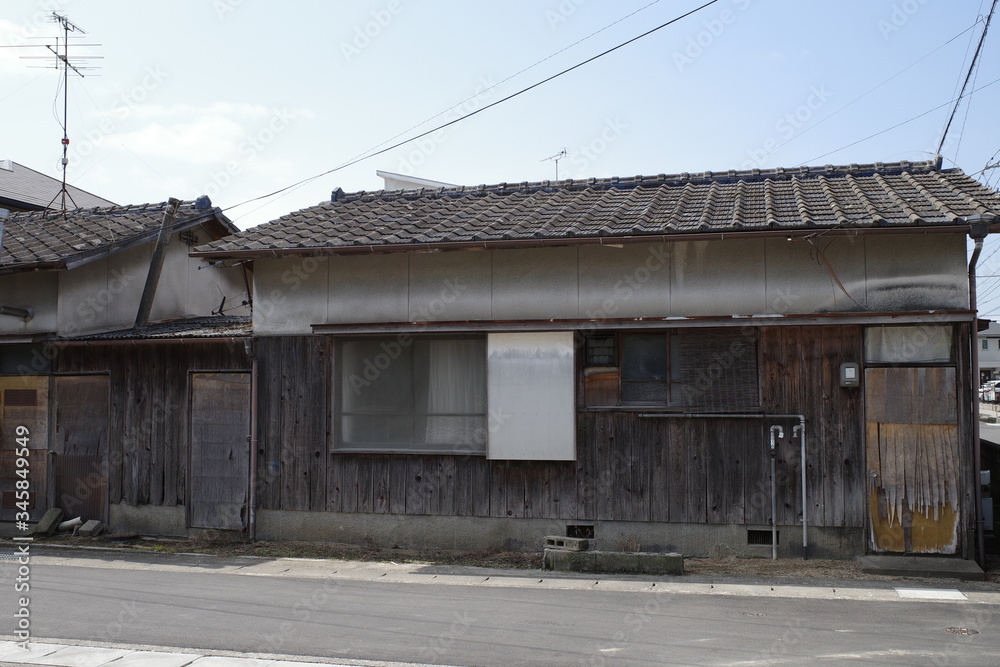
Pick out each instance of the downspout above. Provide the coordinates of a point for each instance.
(252, 498)
(156, 263)
(979, 228)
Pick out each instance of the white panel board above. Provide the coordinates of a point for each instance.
(530, 396)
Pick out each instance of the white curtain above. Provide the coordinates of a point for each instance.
(452, 392)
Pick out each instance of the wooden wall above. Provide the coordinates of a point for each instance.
(691, 470)
(148, 432)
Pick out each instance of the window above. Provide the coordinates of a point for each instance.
(923, 344)
(986, 344)
(704, 369)
(411, 394)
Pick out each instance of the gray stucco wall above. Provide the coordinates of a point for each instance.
(104, 295)
(899, 272)
(35, 290)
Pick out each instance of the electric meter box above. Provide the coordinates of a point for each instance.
(850, 374)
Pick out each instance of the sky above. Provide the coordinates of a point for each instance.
(238, 99)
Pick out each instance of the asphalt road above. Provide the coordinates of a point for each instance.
(466, 624)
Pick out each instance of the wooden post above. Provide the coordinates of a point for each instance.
(156, 263)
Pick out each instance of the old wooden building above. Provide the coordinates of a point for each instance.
(113, 393)
(696, 362)
(483, 366)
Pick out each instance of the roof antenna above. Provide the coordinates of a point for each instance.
(555, 158)
(63, 62)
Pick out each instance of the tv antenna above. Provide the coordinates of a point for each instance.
(78, 65)
(555, 158)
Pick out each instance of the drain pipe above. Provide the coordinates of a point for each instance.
(22, 313)
(979, 228)
(252, 495)
(777, 433)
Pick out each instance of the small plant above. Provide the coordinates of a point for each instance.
(628, 543)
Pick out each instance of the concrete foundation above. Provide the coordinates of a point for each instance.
(148, 520)
(483, 533)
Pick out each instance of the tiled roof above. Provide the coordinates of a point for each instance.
(898, 194)
(51, 239)
(24, 188)
(219, 326)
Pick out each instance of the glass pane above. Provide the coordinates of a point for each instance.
(644, 392)
(375, 376)
(361, 430)
(459, 433)
(908, 345)
(644, 357)
(450, 375)
(601, 350)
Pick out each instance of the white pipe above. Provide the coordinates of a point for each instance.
(759, 415)
(71, 524)
(800, 429)
(774, 489)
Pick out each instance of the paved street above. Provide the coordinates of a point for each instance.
(342, 611)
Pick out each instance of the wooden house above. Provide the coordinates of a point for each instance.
(113, 345)
(624, 358)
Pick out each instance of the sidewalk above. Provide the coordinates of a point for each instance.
(63, 653)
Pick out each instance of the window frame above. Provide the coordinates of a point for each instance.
(673, 380)
(338, 445)
(953, 352)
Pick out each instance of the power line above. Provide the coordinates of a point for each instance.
(968, 75)
(866, 94)
(889, 129)
(480, 110)
(506, 79)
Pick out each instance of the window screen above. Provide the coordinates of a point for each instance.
(426, 394)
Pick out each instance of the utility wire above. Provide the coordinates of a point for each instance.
(968, 75)
(865, 94)
(480, 110)
(889, 129)
(508, 78)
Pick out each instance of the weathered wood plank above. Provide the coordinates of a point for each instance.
(398, 478)
(366, 484)
(380, 484)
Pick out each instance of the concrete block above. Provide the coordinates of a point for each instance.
(49, 522)
(561, 560)
(661, 563)
(92, 528)
(617, 562)
(613, 562)
(567, 543)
